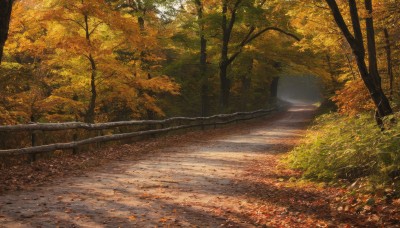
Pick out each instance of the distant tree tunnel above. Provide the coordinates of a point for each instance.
(298, 89)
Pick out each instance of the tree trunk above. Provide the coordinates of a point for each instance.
(224, 59)
(225, 85)
(369, 75)
(205, 104)
(389, 62)
(151, 115)
(381, 101)
(5, 17)
(204, 77)
(379, 98)
(90, 114)
(203, 60)
(141, 24)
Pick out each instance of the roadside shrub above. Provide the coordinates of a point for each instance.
(340, 147)
(353, 99)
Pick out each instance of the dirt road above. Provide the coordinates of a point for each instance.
(204, 183)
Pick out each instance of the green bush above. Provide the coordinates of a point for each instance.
(339, 147)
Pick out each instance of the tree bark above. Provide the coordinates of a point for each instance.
(381, 101)
(389, 62)
(90, 115)
(370, 74)
(225, 85)
(371, 44)
(203, 60)
(204, 77)
(227, 26)
(5, 17)
(141, 23)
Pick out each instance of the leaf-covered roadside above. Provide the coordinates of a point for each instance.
(359, 162)
(350, 148)
(289, 201)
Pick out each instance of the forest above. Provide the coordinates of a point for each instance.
(101, 61)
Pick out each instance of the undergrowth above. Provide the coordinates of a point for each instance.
(346, 148)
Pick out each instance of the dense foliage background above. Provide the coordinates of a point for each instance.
(99, 61)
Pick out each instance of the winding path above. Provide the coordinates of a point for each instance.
(203, 183)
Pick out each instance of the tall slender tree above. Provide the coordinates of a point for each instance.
(369, 74)
(203, 57)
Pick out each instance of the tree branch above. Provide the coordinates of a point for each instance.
(251, 30)
(355, 20)
(340, 21)
(75, 21)
(95, 27)
(233, 16)
(271, 29)
(248, 38)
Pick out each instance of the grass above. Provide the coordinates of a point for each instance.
(340, 148)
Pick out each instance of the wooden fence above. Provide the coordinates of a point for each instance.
(106, 132)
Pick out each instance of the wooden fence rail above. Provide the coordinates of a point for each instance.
(103, 126)
(176, 122)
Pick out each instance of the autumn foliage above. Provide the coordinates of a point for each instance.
(353, 98)
(75, 60)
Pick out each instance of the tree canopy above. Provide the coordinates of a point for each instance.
(109, 60)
